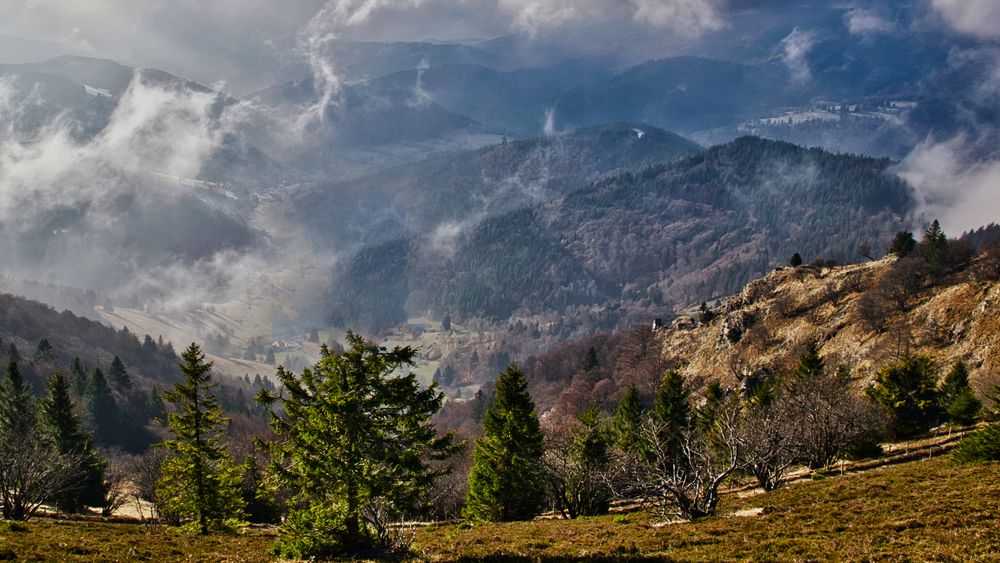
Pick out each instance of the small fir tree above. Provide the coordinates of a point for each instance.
(810, 364)
(902, 244)
(506, 480)
(627, 422)
(44, 352)
(672, 411)
(65, 433)
(907, 390)
(17, 407)
(118, 374)
(102, 413)
(957, 398)
(155, 409)
(199, 481)
(78, 376)
(12, 353)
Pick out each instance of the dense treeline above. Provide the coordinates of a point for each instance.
(672, 233)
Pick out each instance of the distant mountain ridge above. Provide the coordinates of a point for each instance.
(643, 241)
(465, 187)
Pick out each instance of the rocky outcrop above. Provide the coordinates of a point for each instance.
(764, 327)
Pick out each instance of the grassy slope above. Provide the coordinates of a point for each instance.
(926, 510)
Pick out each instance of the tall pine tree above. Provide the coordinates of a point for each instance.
(17, 407)
(506, 479)
(199, 480)
(78, 376)
(63, 430)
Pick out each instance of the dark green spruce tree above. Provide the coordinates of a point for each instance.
(63, 430)
(907, 391)
(118, 374)
(506, 481)
(957, 397)
(17, 407)
(354, 439)
(626, 426)
(199, 480)
(672, 412)
(102, 413)
(78, 377)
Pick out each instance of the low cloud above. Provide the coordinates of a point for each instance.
(952, 185)
(861, 21)
(978, 18)
(691, 16)
(795, 50)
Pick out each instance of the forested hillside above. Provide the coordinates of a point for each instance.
(669, 235)
(119, 400)
(444, 193)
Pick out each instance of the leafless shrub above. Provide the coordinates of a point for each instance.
(829, 420)
(770, 444)
(446, 497)
(576, 462)
(118, 474)
(391, 536)
(146, 471)
(32, 471)
(987, 268)
(687, 476)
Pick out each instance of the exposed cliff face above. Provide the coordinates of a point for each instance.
(764, 327)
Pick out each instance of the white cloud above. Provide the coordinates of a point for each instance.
(534, 16)
(795, 50)
(963, 192)
(978, 18)
(861, 21)
(692, 16)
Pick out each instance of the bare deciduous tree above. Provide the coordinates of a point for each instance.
(31, 471)
(576, 462)
(770, 444)
(687, 478)
(829, 419)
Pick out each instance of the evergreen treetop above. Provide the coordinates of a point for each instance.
(199, 480)
(102, 412)
(810, 363)
(506, 480)
(671, 410)
(118, 374)
(907, 390)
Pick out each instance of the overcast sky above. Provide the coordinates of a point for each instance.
(203, 36)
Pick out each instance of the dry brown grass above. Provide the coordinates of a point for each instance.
(927, 510)
(921, 511)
